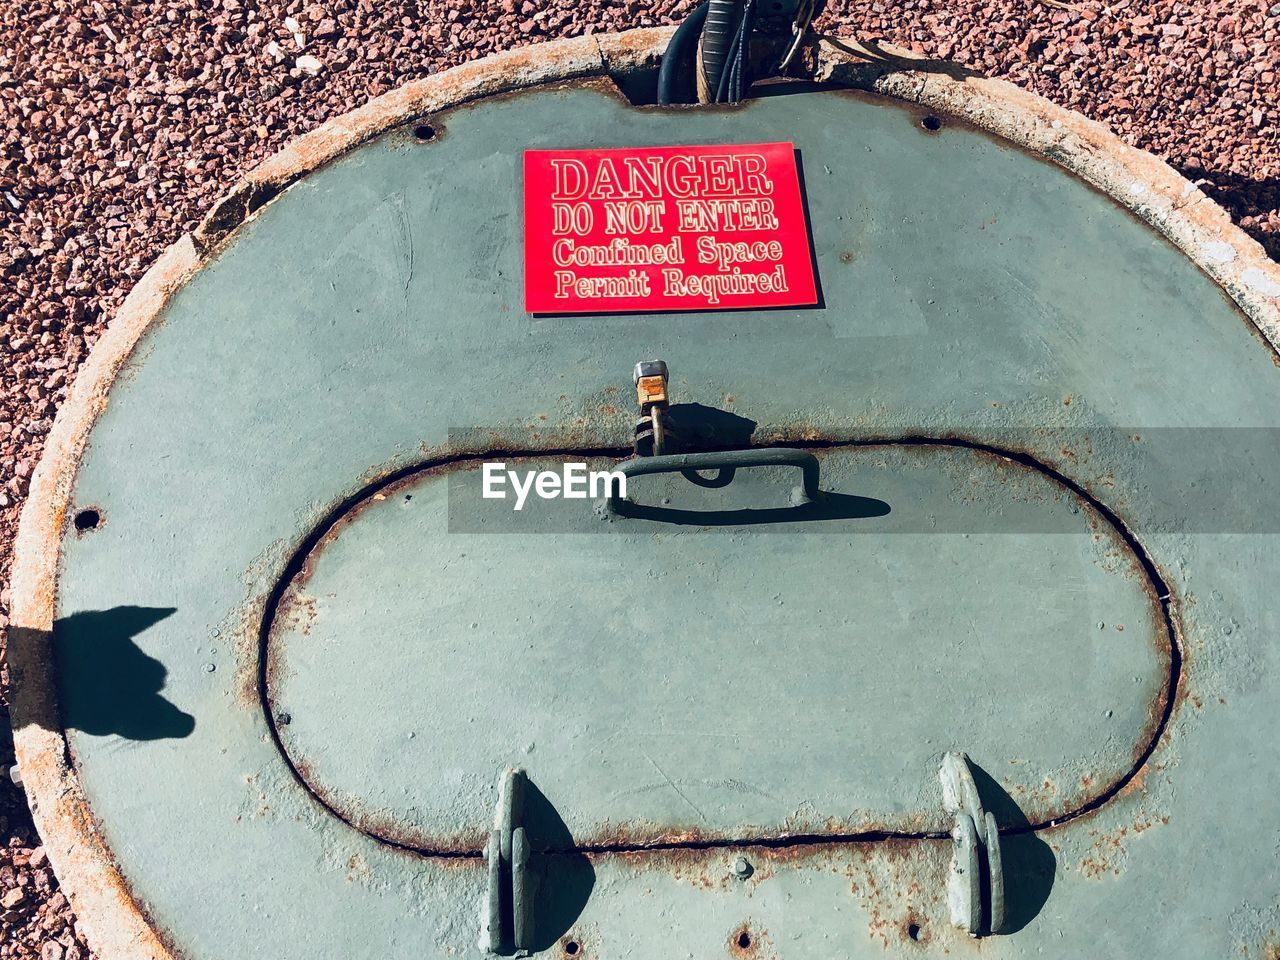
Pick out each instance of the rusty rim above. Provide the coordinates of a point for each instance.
(116, 924)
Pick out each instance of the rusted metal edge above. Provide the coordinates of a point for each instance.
(115, 924)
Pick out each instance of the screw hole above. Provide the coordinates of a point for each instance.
(571, 948)
(931, 123)
(87, 520)
(744, 940)
(913, 931)
(424, 132)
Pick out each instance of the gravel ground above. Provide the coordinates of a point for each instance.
(122, 121)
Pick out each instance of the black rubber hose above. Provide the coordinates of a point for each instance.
(718, 37)
(744, 63)
(731, 81)
(720, 93)
(679, 52)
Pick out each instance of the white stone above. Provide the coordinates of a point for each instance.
(1257, 279)
(1218, 251)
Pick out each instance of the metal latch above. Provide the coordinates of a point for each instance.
(507, 912)
(651, 393)
(976, 878)
(651, 433)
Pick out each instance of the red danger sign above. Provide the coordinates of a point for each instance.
(665, 228)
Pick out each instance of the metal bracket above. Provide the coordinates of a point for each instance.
(507, 911)
(976, 878)
(804, 14)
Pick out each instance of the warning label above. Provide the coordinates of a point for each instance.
(665, 228)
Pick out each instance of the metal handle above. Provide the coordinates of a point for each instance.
(726, 461)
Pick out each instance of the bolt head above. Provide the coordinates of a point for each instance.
(742, 868)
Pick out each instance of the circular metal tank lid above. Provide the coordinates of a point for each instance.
(264, 622)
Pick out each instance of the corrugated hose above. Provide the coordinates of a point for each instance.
(714, 44)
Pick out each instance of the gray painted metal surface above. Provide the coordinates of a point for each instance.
(664, 679)
(352, 332)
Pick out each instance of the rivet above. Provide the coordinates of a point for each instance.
(742, 868)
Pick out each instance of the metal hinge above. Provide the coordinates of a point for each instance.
(975, 884)
(507, 912)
